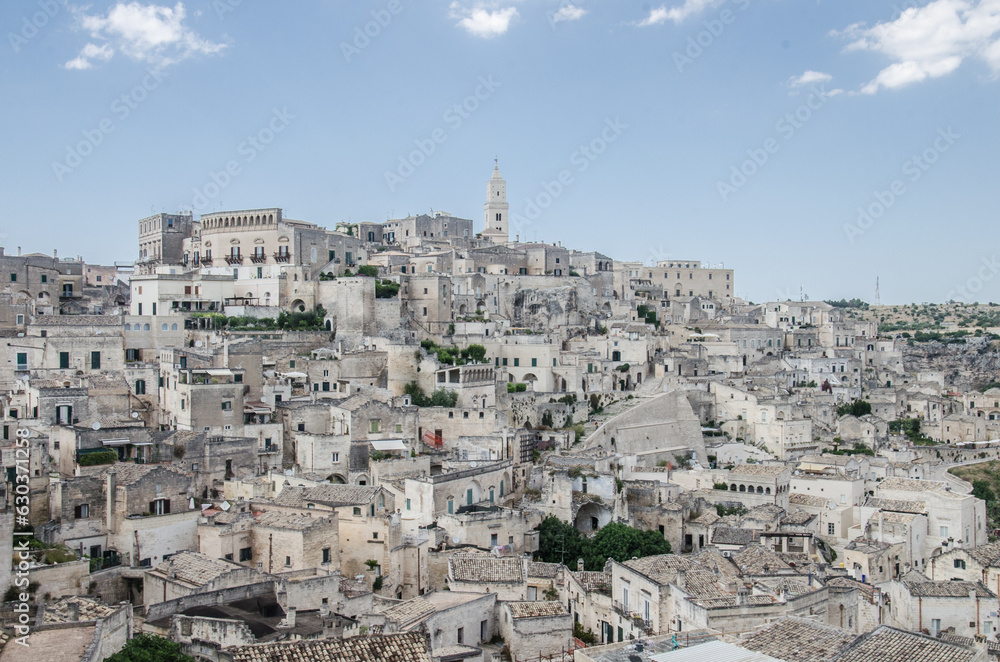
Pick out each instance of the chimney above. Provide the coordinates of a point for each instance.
(55, 253)
(1, 251)
(18, 250)
(681, 579)
(290, 617)
(74, 611)
(579, 565)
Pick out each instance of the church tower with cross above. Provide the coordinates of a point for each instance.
(496, 208)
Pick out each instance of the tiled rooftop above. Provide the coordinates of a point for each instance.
(758, 470)
(986, 555)
(897, 505)
(947, 589)
(329, 495)
(887, 644)
(725, 535)
(407, 612)
(911, 485)
(195, 568)
(535, 609)
(543, 570)
(758, 560)
(487, 569)
(798, 640)
(406, 647)
(129, 473)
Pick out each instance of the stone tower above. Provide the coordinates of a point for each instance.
(496, 209)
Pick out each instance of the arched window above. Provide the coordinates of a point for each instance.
(743, 488)
(732, 488)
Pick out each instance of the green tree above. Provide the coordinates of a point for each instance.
(856, 408)
(149, 648)
(369, 270)
(559, 542)
(477, 353)
(621, 542)
(981, 490)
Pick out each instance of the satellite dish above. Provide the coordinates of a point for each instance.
(135, 414)
(473, 465)
(455, 540)
(95, 426)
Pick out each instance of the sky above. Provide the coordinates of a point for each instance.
(815, 146)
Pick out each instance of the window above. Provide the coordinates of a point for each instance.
(451, 506)
(944, 531)
(140, 387)
(336, 457)
(227, 405)
(517, 362)
(831, 529)
(82, 511)
(95, 360)
(45, 278)
(960, 564)
(246, 554)
(326, 555)
(461, 635)
(374, 535)
(376, 425)
(64, 360)
(288, 561)
(159, 506)
(399, 427)
(357, 511)
(13, 278)
(22, 360)
(407, 504)
(534, 363)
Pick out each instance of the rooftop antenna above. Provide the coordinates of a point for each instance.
(878, 295)
(802, 294)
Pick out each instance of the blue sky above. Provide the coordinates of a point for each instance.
(813, 143)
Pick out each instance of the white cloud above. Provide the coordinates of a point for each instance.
(569, 12)
(484, 22)
(153, 34)
(930, 41)
(91, 52)
(677, 14)
(808, 78)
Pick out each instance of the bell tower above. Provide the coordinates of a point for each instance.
(496, 208)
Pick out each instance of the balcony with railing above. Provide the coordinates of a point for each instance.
(258, 258)
(637, 619)
(234, 259)
(282, 257)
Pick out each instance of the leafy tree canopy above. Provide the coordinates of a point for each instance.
(560, 542)
(148, 648)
